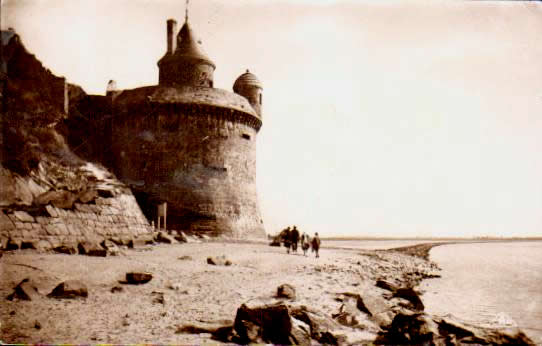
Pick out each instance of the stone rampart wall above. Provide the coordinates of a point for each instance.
(107, 218)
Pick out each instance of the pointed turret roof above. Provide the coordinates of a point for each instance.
(189, 47)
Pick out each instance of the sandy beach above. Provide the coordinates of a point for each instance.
(186, 290)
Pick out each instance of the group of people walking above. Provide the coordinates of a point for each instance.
(291, 238)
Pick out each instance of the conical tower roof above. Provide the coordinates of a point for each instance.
(189, 47)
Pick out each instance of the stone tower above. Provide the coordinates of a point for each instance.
(191, 145)
(248, 86)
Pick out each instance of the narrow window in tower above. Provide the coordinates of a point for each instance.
(246, 136)
(260, 98)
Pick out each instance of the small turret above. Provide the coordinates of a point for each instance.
(186, 64)
(248, 86)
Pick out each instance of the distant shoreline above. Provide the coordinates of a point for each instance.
(477, 239)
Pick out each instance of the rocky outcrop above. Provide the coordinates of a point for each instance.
(298, 325)
(410, 328)
(50, 197)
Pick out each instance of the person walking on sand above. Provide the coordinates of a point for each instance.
(305, 243)
(316, 244)
(286, 238)
(294, 239)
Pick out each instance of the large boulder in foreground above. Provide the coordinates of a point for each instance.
(70, 289)
(263, 324)
(270, 324)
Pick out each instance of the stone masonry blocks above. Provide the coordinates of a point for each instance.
(85, 221)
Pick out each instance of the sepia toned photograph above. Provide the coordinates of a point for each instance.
(283, 172)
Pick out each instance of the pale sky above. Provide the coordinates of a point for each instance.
(381, 118)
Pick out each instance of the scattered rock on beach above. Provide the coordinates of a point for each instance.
(320, 325)
(137, 278)
(91, 248)
(286, 291)
(125, 320)
(218, 331)
(387, 285)
(116, 289)
(349, 315)
(300, 333)
(14, 244)
(177, 286)
(141, 240)
(163, 237)
(158, 298)
(346, 317)
(383, 319)
(68, 249)
(69, 289)
(25, 290)
(218, 260)
(275, 242)
(412, 329)
(412, 296)
(120, 240)
(368, 302)
(180, 237)
(420, 328)
(111, 248)
(278, 324)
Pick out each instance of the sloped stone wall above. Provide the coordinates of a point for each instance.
(108, 218)
(59, 205)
